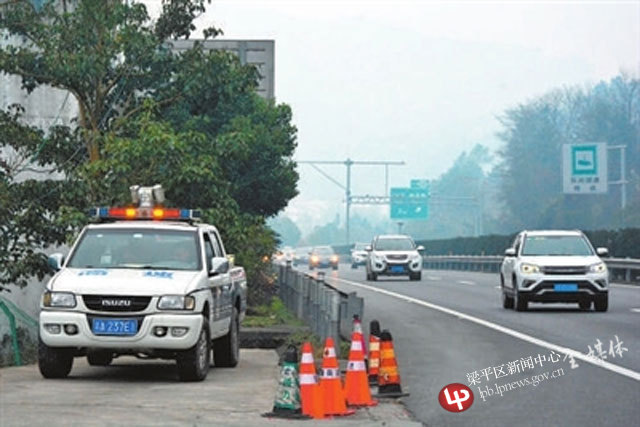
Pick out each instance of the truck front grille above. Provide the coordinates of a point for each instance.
(116, 303)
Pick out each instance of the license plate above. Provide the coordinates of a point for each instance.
(397, 269)
(114, 326)
(565, 287)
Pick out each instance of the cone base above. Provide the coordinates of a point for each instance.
(287, 415)
(392, 394)
(364, 404)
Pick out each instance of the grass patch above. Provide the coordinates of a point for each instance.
(272, 314)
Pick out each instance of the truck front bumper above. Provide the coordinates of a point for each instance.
(145, 338)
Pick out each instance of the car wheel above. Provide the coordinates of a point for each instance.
(354, 266)
(584, 304)
(415, 276)
(193, 364)
(519, 301)
(311, 267)
(335, 267)
(226, 350)
(507, 301)
(374, 276)
(601, 303)
(54, 362)
(99, 358)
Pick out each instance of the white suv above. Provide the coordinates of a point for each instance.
(554, 266)
(394, 255)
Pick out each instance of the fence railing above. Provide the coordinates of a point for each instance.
(620, 269)
(327, 310)
(14, 316)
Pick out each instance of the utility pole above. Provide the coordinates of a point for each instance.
(347, 189)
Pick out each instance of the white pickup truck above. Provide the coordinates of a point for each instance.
(146, 281)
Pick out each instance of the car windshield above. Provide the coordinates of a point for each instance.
(324, 250)
(359, 246)
(137, 248)
(398, 244)
(556, 246)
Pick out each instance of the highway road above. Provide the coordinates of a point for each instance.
(450, 327)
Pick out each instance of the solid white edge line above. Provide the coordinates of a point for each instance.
(524, 337)
(620, 285)
(636, 310)
(466, 282)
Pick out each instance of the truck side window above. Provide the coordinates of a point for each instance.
(208, 251)
(216, 239)
(216, 246)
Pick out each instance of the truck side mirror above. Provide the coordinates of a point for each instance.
(603, 252)
(511, 252)
(219, 265)
(55, 261)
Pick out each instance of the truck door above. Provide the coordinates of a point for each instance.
(221, 286)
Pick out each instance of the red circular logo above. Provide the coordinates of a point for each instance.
(455, 397)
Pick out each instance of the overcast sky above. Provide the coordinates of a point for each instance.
(420, 81)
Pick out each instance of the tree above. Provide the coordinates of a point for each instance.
(191, 121)
(287, 230)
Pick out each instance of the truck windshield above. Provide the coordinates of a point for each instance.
(137, 248)
(556, 246)
(394, 245)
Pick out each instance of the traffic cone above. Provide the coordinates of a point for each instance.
(330, 383)
(388, 376)
(374, 351)
(356, 386)
(309, 387)
(287, 401)
(357, 327)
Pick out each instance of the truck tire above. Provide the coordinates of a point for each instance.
(54, 362)
(99, 358)
(226, 349)
(193, 364)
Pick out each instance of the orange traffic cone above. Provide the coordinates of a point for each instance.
(330, 383)
(388, 377)
(374, 351)
(309, 387)
(356, 385)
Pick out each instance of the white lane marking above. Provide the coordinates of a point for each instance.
(524, 337)
(620, 285)
(498, 287)
(434, 278)
(636, 310)
(466, 282)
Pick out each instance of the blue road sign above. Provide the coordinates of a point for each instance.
(409, 203)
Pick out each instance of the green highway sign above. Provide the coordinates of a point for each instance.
(409, 203)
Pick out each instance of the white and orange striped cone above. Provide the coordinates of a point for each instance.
(374, 351)
(312, 403)
(356, 385)
(331, 384)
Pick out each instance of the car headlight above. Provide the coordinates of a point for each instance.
(600, 267)
(58, 299)
(334, 258)
(529, 268)
(176, 302)
(314, 258)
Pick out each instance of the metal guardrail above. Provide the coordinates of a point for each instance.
(327, 310)
(13, 313)
(620, 269)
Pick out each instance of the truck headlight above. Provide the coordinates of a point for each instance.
(600, 267)
(529, 268)
(176, 302)
(58, 299)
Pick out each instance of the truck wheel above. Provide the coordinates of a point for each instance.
(99, 358)
(601, 303)
(54, 362)
(193, 364)
(226, 349)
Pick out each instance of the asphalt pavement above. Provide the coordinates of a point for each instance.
(451, 328)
